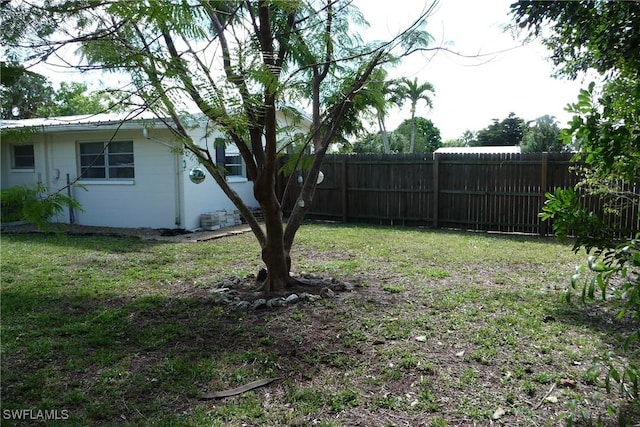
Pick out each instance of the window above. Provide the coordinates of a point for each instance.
(233, 164)
(23, 157)
(230, 158)
(99, 160)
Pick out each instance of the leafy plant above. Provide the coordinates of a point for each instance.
(34, 204)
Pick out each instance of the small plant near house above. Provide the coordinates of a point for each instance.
(34, 204)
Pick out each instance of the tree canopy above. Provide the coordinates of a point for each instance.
(426, 134)
(22, 92)
(26, 95)
(603, 36)
(543, 135)
(238, 63)
(508, 131)
(414, 92)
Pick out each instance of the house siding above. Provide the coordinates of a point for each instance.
(160, 195)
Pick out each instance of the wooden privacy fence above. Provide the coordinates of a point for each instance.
(487, 192)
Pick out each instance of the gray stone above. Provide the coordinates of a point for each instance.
(243, 305)
(276, 302)
(292, 299)
(226, 283)
(259, 303)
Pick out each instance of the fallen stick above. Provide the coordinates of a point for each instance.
(238, 390)
(545, 396)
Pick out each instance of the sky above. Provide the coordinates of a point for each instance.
(470, 93)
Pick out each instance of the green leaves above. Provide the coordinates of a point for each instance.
(33, 204)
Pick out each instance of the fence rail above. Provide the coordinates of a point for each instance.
(485, 192)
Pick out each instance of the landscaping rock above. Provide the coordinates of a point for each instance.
(259, 303)
(243, 305)
(292, 299)
(276, 302)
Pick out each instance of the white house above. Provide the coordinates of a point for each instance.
(502, 149)
(125, 172)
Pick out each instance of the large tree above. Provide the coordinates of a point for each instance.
(505, 132)
(388, 94)
(603, 36)
(426, 135)
(74, 98)
(413, 91)
(22, 92)
(238, 62)
(543, 135)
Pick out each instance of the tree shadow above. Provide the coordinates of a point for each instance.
(95, 242)
(105, 360)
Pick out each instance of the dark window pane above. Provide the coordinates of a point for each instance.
(23, 157)
(107, 161)
(120, 173)
(121, 147)
(23, 150)
(120, 159)
(91, 160)
(233, 165)
(91, 148)
(93, 173)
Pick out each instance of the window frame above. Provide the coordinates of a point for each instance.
(108, 164)
(14, 156)
(223, 153)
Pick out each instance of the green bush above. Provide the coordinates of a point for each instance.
(33, 204)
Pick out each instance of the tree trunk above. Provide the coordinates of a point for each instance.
(384, 134)
(413, 130)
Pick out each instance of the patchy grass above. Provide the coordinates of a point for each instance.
(442, 329)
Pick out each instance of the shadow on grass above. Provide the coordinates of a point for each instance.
(602, 319)
(142, 360)
(513, 237)
(95, 242)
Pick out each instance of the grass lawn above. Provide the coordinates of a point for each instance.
(442, 329)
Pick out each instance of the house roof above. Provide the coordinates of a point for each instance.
(479, 150)
(125, 120)
(128, 120)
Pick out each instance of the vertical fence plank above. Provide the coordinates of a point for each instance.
(344, 191)
(498, 192)
(436, 188)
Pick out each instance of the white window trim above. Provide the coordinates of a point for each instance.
(105, 181)
(13, 167)
(236, 178)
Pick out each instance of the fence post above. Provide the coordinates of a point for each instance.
(543, 190)
(436, 161)
(343, 188)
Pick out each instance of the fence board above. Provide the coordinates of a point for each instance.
(484, 192)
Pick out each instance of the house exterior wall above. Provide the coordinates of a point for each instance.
(148, 200)
(207, 196)
(160, 195)
(11, 177)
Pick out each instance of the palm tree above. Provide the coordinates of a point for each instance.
(383, 95)
(411, 90)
